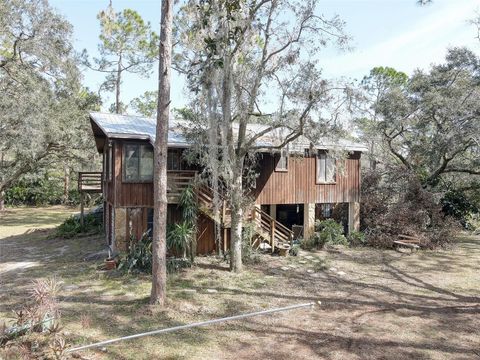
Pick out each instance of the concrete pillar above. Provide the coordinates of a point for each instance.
(273, 212)
(353, 216)
(308, 219)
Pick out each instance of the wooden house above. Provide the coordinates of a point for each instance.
(293, 187)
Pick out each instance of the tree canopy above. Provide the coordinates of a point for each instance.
(43, 103)
(127, 44)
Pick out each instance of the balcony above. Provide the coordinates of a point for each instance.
(90, 182)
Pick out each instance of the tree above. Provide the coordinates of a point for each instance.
(127, 44)
(254, 61)
(41, 116)
(430, 124)
(372, 88)
(159, 247)
(145, 104)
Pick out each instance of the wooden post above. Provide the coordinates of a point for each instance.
(82, 209)
(225, 232)
(272, 234)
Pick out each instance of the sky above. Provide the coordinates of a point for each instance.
(395, 33)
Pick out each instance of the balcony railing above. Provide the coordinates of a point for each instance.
(90, 182)
(177, 181)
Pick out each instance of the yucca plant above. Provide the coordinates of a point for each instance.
(180, 238)
(187, 231)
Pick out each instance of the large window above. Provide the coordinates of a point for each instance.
(137, 163)
(282, 163)
(326, 168)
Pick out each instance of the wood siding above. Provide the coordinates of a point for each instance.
(298, 184)
(205, 235)
(109, 185)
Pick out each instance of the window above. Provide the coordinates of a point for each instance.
(282, 163)
(173, 160)
(326, 168)
(137, 163)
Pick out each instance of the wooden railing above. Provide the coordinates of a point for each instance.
(267, 227)
(177, 181)
(89, 182)
(273, 230)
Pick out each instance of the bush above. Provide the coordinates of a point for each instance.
(295, 250)
(139, 257)
(71, 227)
(357, 238)
(326, 232)
(456, 204)
(46, 191)
(330, 232)
(398, 204)
(249, 254)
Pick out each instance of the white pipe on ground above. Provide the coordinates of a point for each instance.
(189, 326)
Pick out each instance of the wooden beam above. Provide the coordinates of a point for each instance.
(82, 210)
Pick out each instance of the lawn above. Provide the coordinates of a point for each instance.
(374, 304)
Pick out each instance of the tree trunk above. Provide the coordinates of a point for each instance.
(2, 200)
(117, 86)
(159, 247)
(66, 183)
(236, 199)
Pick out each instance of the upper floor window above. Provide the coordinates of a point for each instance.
(174, 160)
(282, 163)
(137, 162)
(326, 168)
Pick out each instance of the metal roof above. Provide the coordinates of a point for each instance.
(142, 128)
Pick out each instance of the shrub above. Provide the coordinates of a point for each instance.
(329, 232)
(295, 250)
(397, 203)
(311, 242)
(175, 264)
(139, 257)
(249, 254)
(71, 227)
(456, 204)
(357, 238)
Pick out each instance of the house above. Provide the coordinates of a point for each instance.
(293, 187)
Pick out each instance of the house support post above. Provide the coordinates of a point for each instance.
(273, 211)
(308, 219)
(82, 209)
(353, 216)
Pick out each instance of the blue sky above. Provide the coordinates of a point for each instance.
(395, 33)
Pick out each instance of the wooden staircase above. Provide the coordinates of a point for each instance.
(267, 229)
